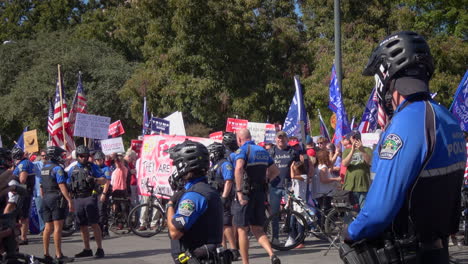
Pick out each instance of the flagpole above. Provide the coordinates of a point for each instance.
(61, 107)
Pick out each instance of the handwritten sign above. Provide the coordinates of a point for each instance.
(30, 141)
(112, 145)
(91, 126)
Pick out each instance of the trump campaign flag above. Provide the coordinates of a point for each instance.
(323, 127)
(337, 106)
(296, 113)
(459, 107)
(369, 117)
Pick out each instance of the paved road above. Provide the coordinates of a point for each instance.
(136, 250)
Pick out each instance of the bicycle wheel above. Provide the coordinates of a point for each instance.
(148, 225)
(291, 229)
(335, 221)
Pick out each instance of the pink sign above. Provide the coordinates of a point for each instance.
(136, 145)
(234, 125)
(218, 136)
(155, 165)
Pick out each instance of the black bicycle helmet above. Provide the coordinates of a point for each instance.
(54, 153)
(82, 150)
(99, 155)
(17, 153)
(189, 156)
(217, 151)
(401, 54)
(230, 141)
(5, 158)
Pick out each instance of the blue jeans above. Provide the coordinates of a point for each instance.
(360, 197)
(275, 203)
(38, 201)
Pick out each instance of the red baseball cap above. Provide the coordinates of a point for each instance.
(293, 142)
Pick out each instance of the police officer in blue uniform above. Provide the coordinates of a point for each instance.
(195, 207)
(24, 172)
(221, 177)
(103, 192)
(53, 182)
(84, 177)
(253, 166)
(413, 204)
(230, 142)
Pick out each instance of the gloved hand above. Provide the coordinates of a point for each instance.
(90, 179)
(176, 196)
(345, 237)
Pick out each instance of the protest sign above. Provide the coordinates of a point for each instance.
(370, 139)
(116, 129)
(30, 141)
(233, 124)
(218, 136)
(270, 133)
(177, 126)
(112, 145)
(159, 125)
(91, 126)
(136, 146)
(155, 165)
(257, 131)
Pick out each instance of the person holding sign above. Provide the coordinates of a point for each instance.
(84, 177)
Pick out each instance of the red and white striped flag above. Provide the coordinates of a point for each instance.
(59, 125)
(79, 103)
(382, 117)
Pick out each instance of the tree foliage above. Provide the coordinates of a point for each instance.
(210, 59)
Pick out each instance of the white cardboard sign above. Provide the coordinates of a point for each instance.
(91, 126)
(112, 145)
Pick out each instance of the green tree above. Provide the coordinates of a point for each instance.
(29, 75)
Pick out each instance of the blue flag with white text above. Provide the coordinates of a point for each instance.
(20, 141)
(323, 128)
(146, 126)
(459, 107)
(337, 106)
(296, 113)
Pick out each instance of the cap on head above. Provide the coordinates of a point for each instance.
(293, 142)
(281, 134)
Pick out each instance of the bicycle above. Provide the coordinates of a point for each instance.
(153, 219)
(294, 226)
(118, 221)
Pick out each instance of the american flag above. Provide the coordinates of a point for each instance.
(58, 124)
(382, 117)
(50, 118)
(79, 104)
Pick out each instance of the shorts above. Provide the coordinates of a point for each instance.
(227, 215)
(24, 206)
(119, 194)
(253, 213)
(86, 211)
(51, 210)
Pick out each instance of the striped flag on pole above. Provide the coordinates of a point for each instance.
(50, 118)
(59, 125)
(79, 104)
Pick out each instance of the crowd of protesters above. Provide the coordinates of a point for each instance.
(312, 170)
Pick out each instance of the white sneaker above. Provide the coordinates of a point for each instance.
(289, 242)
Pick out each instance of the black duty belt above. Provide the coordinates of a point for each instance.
(83, 195)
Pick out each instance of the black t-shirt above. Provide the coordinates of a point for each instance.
(283, 160)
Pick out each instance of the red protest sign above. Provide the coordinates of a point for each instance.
(136, 146)
(217, 135)
(234, 125)
(116, 129)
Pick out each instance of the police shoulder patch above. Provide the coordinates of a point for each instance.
(186, 207)
(60, 172)
(228, 166)
(390, 146)
(20, 166)
(238, 151)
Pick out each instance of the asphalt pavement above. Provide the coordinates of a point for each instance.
(136, 250)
